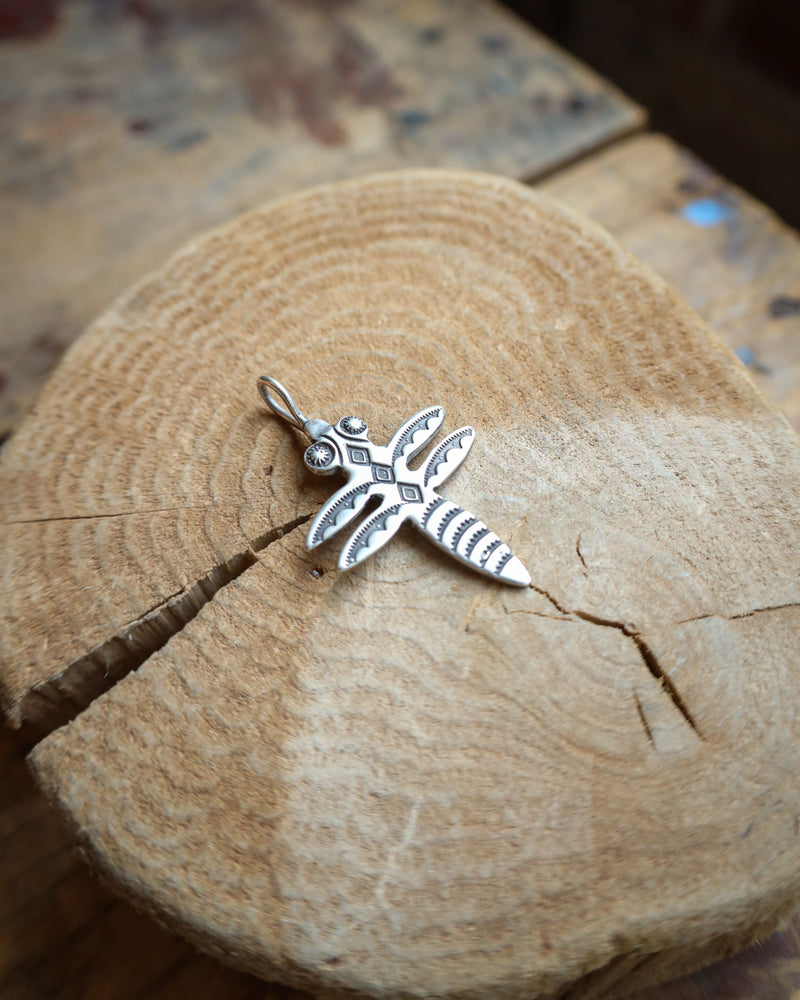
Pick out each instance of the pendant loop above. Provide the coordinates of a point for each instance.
(289, 410)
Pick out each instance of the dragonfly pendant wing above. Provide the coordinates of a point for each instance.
(338, 512)
(416, 433)
(448, 456)
(373, 534)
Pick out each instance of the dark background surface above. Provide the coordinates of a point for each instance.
(720, 76)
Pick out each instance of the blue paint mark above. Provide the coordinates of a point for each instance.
(746, 355)
(494, 43)
(432, 35)
(187, 139)
(577, 103)
(413, 118)
(501, 85)
(749, 357)
(705, 212)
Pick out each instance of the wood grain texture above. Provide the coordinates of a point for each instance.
(403, 780)
(67, 937)
(130, 127)
(725, 253)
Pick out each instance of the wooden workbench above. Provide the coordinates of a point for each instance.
(132, 127)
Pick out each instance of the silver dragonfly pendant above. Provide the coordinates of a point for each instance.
(405, 494)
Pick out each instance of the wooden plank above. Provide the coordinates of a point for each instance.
(130, 127)
(724, 252)
(739, 266)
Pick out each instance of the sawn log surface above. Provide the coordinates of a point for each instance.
(407, 780)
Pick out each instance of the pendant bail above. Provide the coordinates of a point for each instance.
(286, 408)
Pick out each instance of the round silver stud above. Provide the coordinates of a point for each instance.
(353, 426)
(319, 455)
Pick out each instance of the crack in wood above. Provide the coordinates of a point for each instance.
(645, 652)
(643, 719)
(58, 700)
(578, 552)
(559, 607)
(739, 614)
(760, 611)
(96, 517)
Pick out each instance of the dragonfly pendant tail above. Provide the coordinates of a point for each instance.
(463, 535)
(377, 472)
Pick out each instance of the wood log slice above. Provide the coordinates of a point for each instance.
(408, 780)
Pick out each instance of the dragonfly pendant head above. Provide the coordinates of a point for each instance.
(326, 454)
